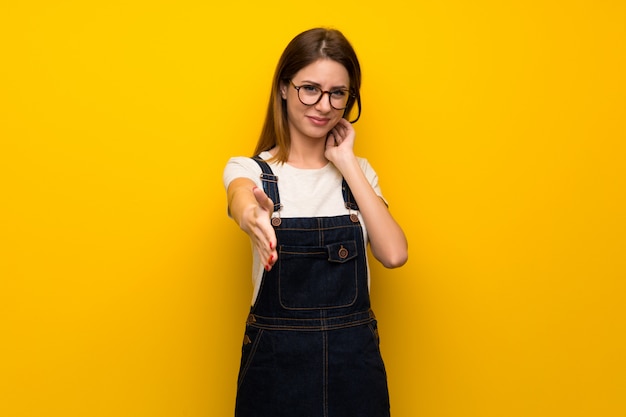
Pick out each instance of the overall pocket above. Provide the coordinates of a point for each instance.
(318, 277)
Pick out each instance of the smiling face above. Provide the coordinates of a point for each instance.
(315, 121)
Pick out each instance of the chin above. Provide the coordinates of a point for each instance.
(318, 133)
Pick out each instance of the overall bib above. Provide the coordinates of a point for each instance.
(311, 346)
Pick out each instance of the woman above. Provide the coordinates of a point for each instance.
(310, 206)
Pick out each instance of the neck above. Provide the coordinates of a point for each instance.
(308, 154)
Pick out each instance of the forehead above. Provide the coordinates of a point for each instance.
(325, 72)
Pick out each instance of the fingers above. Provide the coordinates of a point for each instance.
(345, 128)
(267, 248)
(265, 243)
(264, 239)
(330, 140)
(339, 133)
(264, 234)
(273, 257)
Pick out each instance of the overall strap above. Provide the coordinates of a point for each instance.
(270, 182)
(348, 198)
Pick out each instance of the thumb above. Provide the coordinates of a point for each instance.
(264, 201)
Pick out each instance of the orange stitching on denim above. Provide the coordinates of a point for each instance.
(253, 350)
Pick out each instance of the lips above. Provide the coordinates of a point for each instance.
(319, 121)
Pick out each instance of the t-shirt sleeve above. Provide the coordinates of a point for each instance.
(241, 167)
(372, 177)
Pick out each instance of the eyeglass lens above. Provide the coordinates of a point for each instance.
(310, 95)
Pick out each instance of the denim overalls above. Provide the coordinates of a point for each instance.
(311, 346)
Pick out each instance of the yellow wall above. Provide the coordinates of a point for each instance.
(497, 129)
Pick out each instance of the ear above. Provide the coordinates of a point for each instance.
(283, 90)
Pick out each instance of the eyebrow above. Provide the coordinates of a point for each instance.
(319, 85)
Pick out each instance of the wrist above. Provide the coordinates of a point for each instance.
(247, 216)
(346, 162)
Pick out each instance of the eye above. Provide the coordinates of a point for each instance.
(339, 93)
(310, 89)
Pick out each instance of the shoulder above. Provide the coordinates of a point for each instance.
(241, 167)
(242, 163)
(371, 176)
(363, 163)
(366, 167)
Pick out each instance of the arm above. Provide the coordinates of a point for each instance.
(387, 240)
(251, 209)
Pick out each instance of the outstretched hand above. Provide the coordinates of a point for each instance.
(260, 229)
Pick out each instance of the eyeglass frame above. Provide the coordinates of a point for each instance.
(351, 96)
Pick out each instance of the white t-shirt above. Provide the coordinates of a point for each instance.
(303, 193)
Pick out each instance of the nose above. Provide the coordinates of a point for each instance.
(324, 102)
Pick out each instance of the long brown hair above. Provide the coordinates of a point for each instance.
(304, 49)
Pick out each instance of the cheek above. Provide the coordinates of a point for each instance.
(337, 117)
(291, 110)
(294, 106)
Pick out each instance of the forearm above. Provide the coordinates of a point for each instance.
(387, 240)
(241, 200)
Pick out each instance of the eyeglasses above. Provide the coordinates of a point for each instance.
(310, 95)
